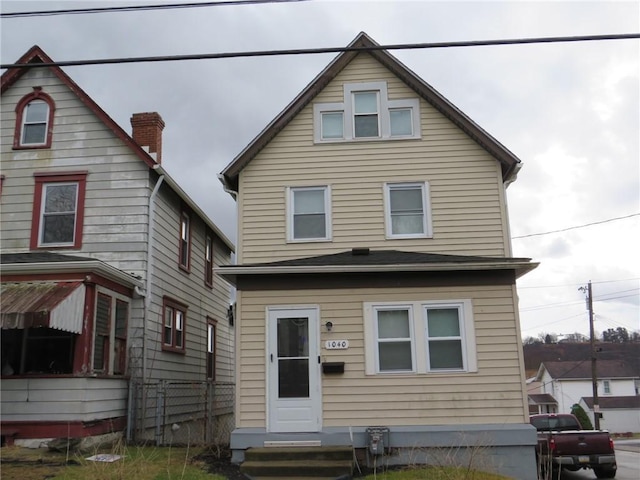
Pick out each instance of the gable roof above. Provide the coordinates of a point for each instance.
(510, 164)
(581, 370)
(36, 55)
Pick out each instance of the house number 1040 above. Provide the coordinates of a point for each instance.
(336, 344)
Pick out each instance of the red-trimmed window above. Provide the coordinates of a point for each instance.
(58, 210)
(174, 323)
(101, 333)
(208, 260)
(34, 120)
(110, 335)
(211, 348)
(185, 241)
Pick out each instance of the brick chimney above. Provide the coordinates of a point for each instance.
(147, 132)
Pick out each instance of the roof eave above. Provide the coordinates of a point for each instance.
(231, 272)
(95, 266)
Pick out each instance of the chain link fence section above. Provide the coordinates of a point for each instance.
(182, 413)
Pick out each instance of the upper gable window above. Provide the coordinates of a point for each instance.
(58, 210)
(407, 210)
(309, 214)
(34, 118)
(366, 113)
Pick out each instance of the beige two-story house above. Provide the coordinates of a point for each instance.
(376, 296)
(112, 319)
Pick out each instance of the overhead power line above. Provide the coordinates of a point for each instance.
(310, 51)
(171, 6)
(576, 227)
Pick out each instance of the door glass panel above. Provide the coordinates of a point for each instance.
(293, 358)
(293, 378)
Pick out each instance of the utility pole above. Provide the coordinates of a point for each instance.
(594, 371)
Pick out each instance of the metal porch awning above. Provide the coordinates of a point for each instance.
(58, 305)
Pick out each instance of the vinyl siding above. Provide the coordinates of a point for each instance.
(189, 289)
(492, 394)
(115, 214)
(83, 399)
(116, 218)
(467, 205)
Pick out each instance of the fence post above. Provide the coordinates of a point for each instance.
(160, 402)
(131, 407)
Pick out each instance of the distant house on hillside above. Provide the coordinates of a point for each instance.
(112, 318)
(569, 381)
(377, 297)
(534, 355)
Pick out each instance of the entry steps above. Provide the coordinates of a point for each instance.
(305, 463)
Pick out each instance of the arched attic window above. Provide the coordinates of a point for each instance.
(34, 120)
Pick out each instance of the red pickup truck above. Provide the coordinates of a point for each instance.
(563, 444)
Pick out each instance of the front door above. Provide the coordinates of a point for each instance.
(294, 370)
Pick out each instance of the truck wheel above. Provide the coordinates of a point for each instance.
(605, 472)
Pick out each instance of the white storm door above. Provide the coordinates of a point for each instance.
(294, 403)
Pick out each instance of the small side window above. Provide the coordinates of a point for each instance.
(185, 241)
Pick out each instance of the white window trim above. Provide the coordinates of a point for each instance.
(426, 214)
(606, 385)
(43, 205)
(384, 107)
(327, 214)
(412, 337)
(418, 319)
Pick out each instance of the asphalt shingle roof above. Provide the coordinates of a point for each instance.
(383, 257)
(582, 369)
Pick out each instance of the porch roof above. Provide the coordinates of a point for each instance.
(58, 305)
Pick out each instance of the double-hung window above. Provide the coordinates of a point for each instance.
(421, 337)
(394, 338)
(309, 214)
(366, 120)
(34, 118)
(366, 113)
(174, 323)
(58, 210)
(444, 339)
(407, 210)
(110, 334)
(185, 241)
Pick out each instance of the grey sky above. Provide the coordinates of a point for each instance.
(570, 112)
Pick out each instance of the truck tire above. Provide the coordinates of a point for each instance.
(602, 472)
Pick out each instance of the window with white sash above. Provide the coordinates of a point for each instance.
(424, 337)
(366, 113)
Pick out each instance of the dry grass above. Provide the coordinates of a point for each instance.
(140, 463)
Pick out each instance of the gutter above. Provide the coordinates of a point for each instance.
(193, 206)
(147, 298)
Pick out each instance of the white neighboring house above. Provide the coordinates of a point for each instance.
(568, 382)
(620, 415)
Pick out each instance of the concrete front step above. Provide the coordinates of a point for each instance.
(327, 463)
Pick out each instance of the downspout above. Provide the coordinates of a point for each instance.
(147, 298)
